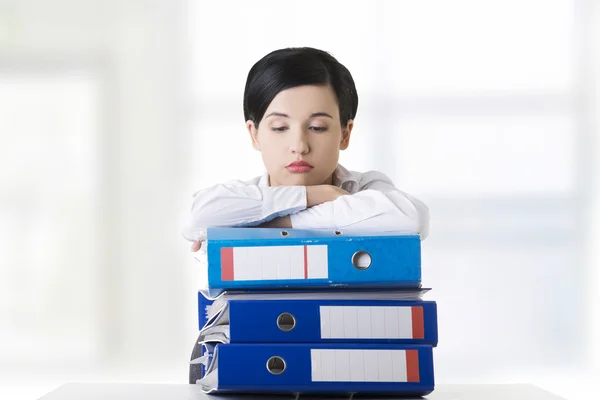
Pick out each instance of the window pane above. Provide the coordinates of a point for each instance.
(439, 46)
(221, 149)
(506, 302)
(425, 47)
(48, 208)
(486, 155)
(224, 53)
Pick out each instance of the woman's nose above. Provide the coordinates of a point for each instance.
(299, 144)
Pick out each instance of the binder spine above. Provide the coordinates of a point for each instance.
(344, 261)
(333, 321)
(312, 368)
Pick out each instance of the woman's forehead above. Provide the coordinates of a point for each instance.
(303, 101)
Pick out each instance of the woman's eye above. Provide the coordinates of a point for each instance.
(278, 128)
(318, 128)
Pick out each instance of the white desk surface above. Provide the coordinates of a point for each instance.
(127, 391)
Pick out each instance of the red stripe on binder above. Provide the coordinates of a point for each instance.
(305, 262)
(227, 264)
(412, 366)
(418, 325)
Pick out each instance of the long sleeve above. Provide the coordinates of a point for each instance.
(378, 205)
(237, 204)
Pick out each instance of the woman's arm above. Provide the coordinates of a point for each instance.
(238, 204)
(315, 195)
(379, 205)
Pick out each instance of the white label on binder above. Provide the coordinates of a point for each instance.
(366, 322)
(364, 365)
(274, 263)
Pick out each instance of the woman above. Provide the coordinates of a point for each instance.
(299, 108)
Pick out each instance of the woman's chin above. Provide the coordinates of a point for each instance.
(299, 180)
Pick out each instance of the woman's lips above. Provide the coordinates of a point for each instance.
(299, 167)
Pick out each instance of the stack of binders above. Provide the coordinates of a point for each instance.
(314, 311)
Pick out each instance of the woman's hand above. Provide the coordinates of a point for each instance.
(320, 194)
(196, 245)
(279, 222)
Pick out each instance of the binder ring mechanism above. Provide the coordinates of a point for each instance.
(276, 365)
(336, 233)
(286, 322)
(361, 260)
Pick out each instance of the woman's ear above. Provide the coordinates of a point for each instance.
(346, 135)
(253, 131)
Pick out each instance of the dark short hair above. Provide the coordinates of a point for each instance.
(287, 68)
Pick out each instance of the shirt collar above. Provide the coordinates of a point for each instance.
(345, 179)
(342, 178)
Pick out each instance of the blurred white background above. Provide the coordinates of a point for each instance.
(113, 113)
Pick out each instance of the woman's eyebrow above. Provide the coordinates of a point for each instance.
(321, 114)
(317, 114)
(277, 114)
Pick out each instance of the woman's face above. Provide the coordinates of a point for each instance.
(300, 136)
